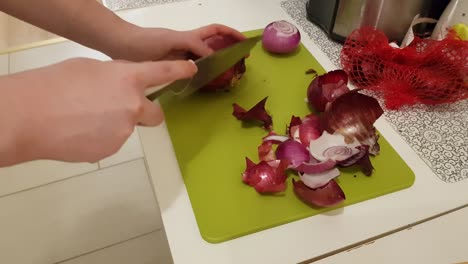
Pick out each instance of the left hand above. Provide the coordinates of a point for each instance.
(145, 44)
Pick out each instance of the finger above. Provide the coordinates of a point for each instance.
(217, 29)
(152, 114)
(162, 72)
(198, 47)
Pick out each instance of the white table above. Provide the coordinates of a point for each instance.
(298, 241)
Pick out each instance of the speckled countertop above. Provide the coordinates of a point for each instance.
(437, 134)
(116, 5)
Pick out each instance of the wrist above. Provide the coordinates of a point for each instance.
(119, 42)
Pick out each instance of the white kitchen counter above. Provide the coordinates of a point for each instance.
(301, 240)
(310, 238)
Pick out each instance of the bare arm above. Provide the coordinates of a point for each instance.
(93, 25)
(84, 21)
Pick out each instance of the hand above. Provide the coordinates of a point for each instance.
(165, 44)
(83, 110)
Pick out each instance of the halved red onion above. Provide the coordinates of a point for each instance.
(332, 147)
(317, 180)
(326, 88)
(256, 113)
(293, 151)
(329, 195)
(315, 167)
(266, 177)
(353, 115)
(281, 37)
(229, 78)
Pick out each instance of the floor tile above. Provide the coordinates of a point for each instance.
(130, 150)
(152, 248)
(79, 215)
(36, 173)
(4, 64)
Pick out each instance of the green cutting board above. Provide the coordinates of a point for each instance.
(211, 146)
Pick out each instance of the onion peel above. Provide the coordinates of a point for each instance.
(318, 180)
(266, 177)
(327, 196)
(353, 115)
(257, 113)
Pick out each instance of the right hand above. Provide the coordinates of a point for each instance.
(83, 110)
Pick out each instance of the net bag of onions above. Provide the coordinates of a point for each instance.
(426, 71)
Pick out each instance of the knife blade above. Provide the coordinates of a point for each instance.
(209, 67)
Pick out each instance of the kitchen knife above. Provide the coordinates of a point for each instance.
(209, 68)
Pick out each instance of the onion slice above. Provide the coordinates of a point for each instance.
(319, 179)
(326, 196)
(332, 147)
(256, 113)
(266, 177)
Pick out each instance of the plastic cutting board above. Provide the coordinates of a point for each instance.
(211, 146)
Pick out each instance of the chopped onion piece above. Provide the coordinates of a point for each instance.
(326, 196)
(319, 179)
(332, 147)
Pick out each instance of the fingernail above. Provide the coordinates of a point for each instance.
(192, 61)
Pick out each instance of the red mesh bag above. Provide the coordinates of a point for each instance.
(427, 71)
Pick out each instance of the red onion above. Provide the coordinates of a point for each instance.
(326, 196)
(318, 180)
(230, 77)
(281, 37)
(265, 177)
(326, 88)
(293, 151)
(256, 113)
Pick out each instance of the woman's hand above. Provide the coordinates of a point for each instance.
(80, 110)
(144, 44)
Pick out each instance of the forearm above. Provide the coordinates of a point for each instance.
(84, 21)
(12, 149)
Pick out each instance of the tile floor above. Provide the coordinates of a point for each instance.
(57, 212)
